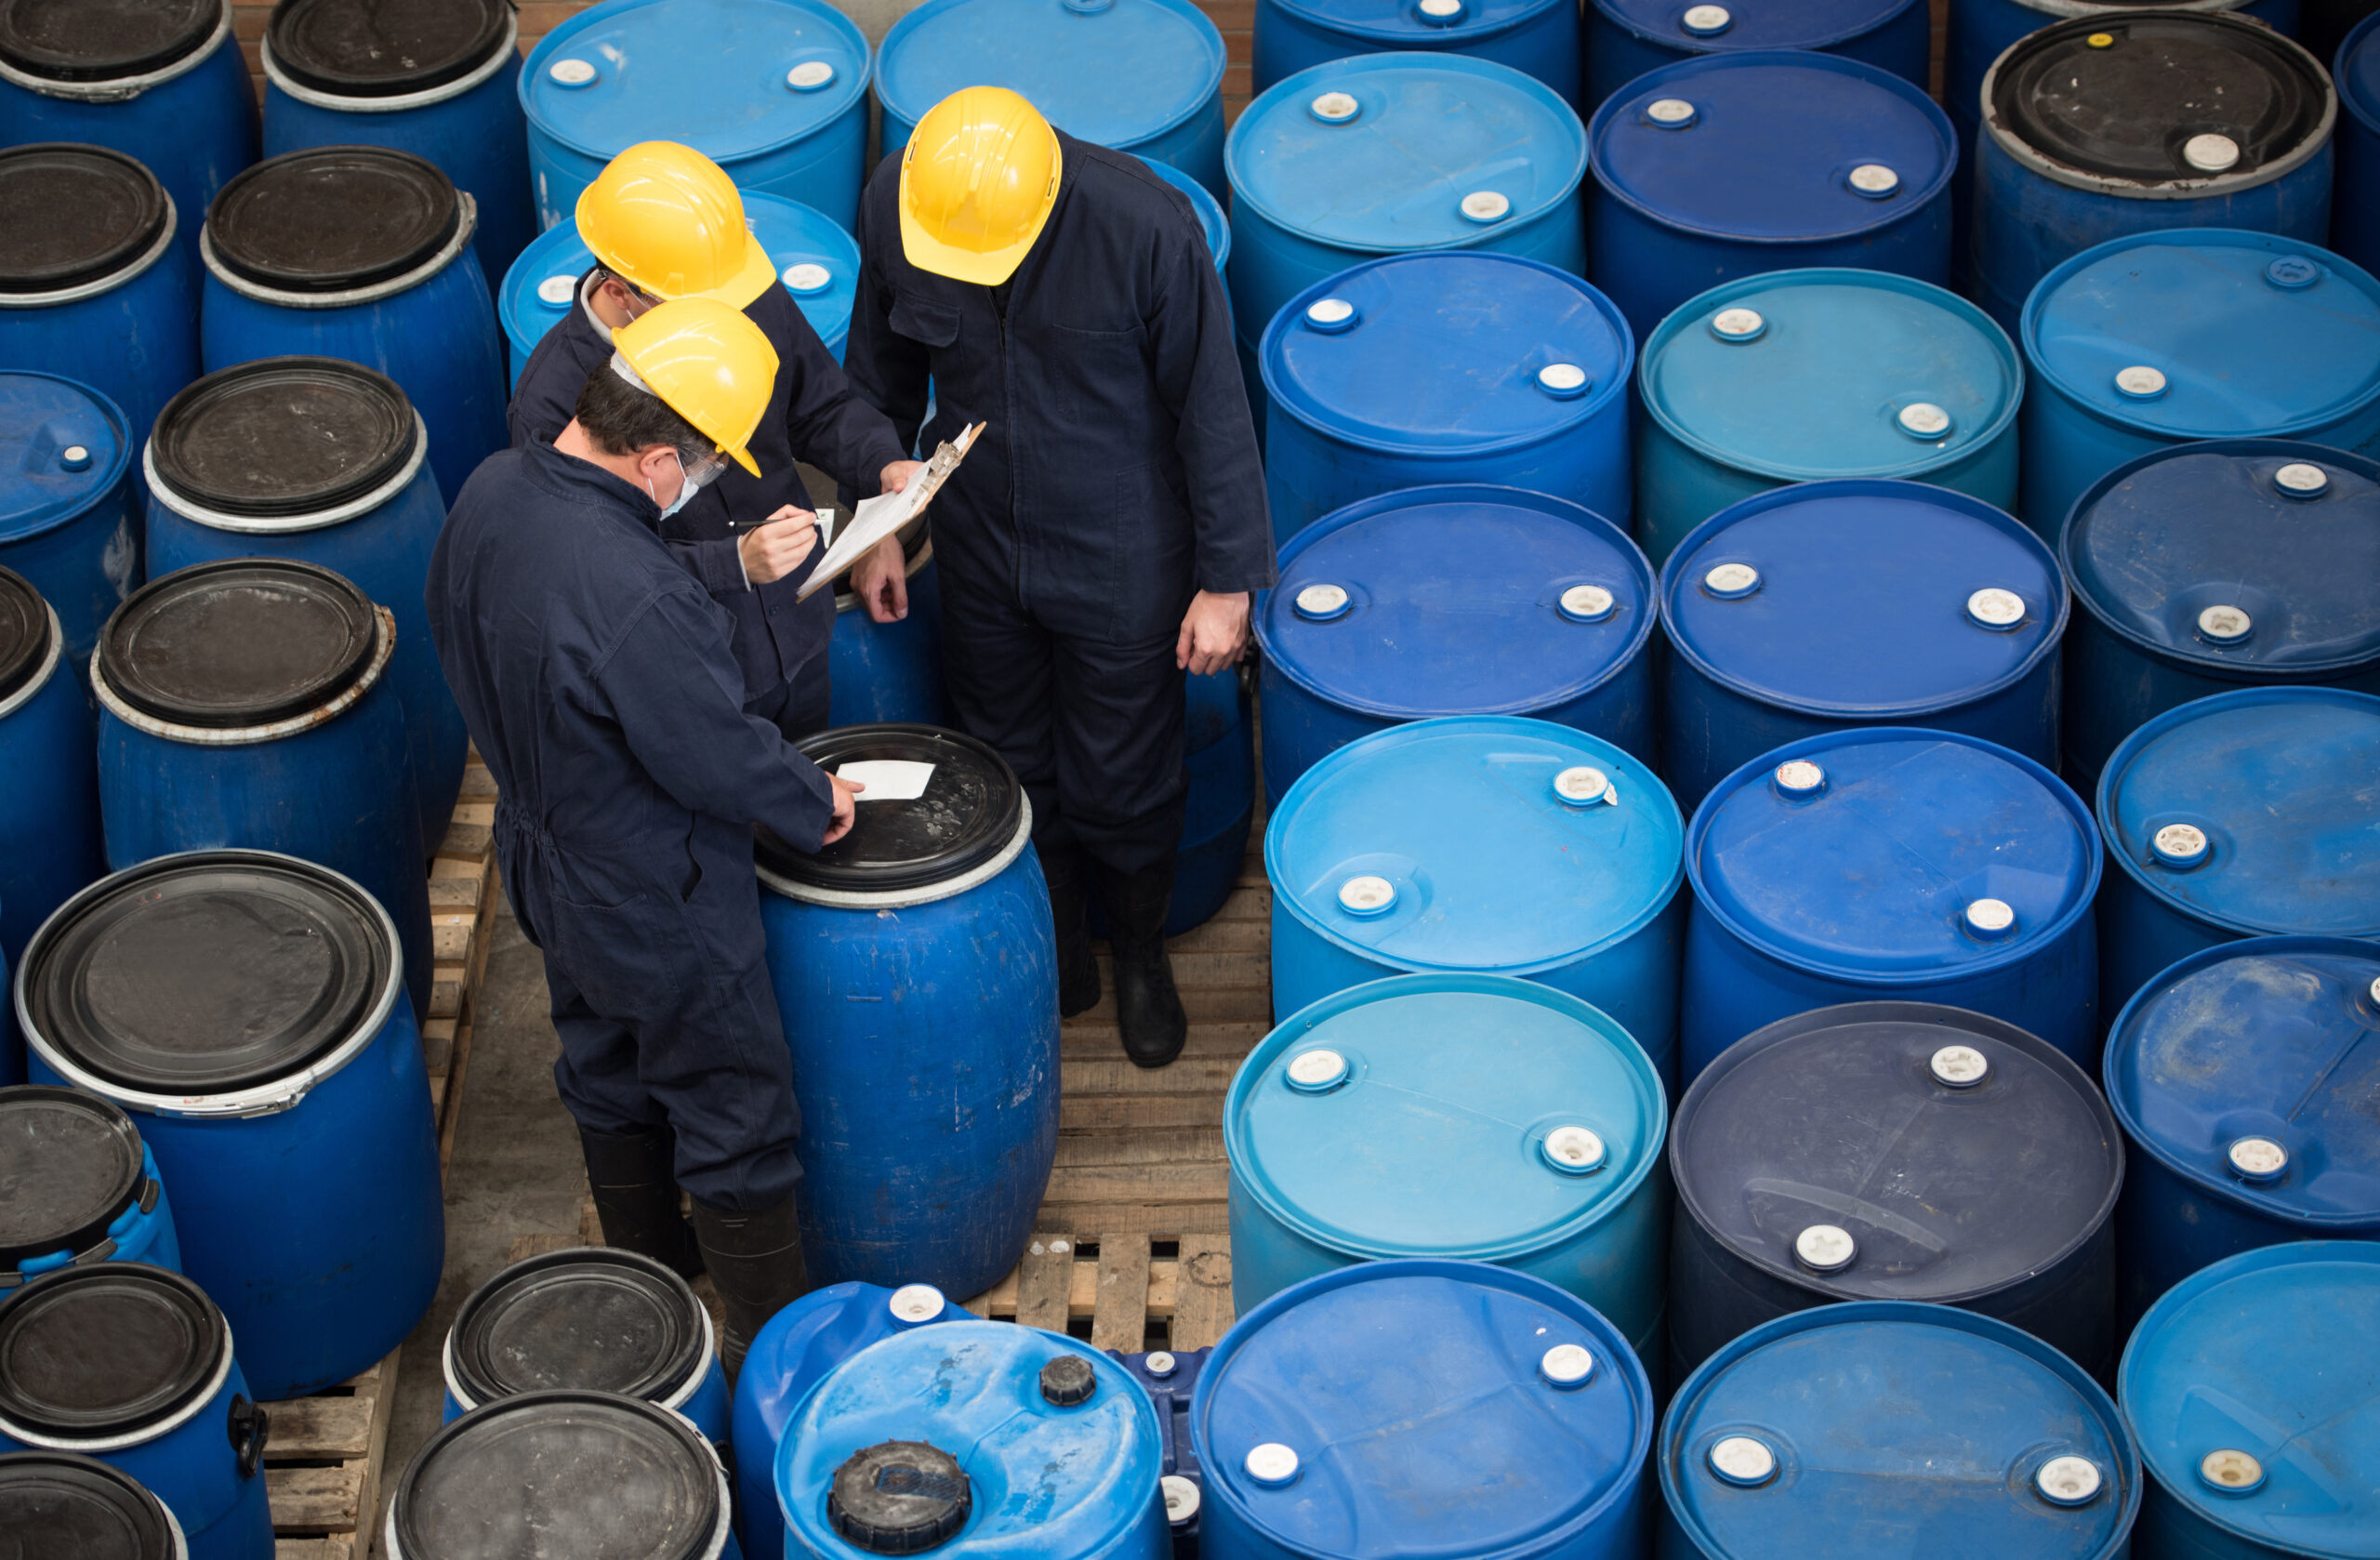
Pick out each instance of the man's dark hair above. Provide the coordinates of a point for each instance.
(620, 420)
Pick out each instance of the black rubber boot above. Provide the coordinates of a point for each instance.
(755, 1262)
(1078, 967)
(1148, 1009)
(634, 1177)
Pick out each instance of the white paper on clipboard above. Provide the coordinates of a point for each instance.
(874, 519)
(887, 779)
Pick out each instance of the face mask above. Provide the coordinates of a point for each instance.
(688, 486)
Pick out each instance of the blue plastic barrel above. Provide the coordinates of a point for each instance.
(1838, 605)
(1385, 153)
(1470, 1117)
(2355, 213)
(1891, 863)
(1549, 615)
(1170, 1377)
(1433, 1407)
(2213, 566)
(1626, 38)
(916, 966)
(1894, 1151)
(889, 671)
(775, 91)
(92, 286)
(1143, 76)
(1444, 368)
(1803, 375)
(2147, 342)
(1540, 37)
(59, 1504)
(2250, 1392)
(1880, 1430)
(816, 261)
(83, 1188)
(975, 1439)
(2103, 127)
(248, 1008)
(1208, 204)
(788, 1357)
(1540, 852)
(70, 518)
(134, 1365)
(2249, 814)
(1731, 164)
(328, 462)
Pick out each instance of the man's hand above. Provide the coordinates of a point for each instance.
(845, 811)
(1214, 632)
(895, 477)
(776, 548)
(880, 580)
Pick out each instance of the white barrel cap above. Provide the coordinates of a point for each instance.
(1562, 381)
(2211, 153)
(1485, 206)
(810, 76)
(2375, 989)
(1825, 1249)
(1705, 20)
(1181, 1498)
(1991, 918)
(1800, 778)
(1588, 604)
(912, 1304)
(2178, 845)
(1583, 785)
(1441, 10)
(1959, 1067)
(1312, 1072)
(2140, 382)
(1330, 314)
(1271, 1465)
(1741, 1459)
(567, 71)
(1728, 581)
(2068, 1480)
(1874, 181)
(2257, 1158)
(1738, 324)
(1574, 1150)
(1923, 419)
(558, 290)
(75, 457)
(1993, 607)
(1367, 895)
(1567, 1366)
(2224, 625)
(2302, 479)
(2229, 1471)
(1671, 113)
(1321, 602)
(807, 278)
(1334, 108)
(1159, 1364)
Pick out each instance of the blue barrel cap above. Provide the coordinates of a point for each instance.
(1449, 1115)
(730, 78)
(1422, 1408)
(1517, 864)
(1771, 144)
(1884, 855)
(1863, 598)
(63, 445)
(1447, 353)
(1113, 72)
(1773, 24)
(1848, 374)
(1416, 23)
(2255, 810)
(2257, 554)
(2249, 1385)
(1550, 601)
(1405, 150)
(2249, 1070)
(2208, 333)
(1212, 221)
(1886, 1428)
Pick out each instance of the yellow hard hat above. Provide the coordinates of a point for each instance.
(668, 219)
(977, 182)
(708, 364)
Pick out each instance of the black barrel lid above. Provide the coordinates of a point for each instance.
(246, 642)
(384, 48)
(207, 973)
(24, 631)
(2123, 96)
(1959, 1154)
(899, 1497)
(55, 1505)
(590, 1474)
(103, 40)
(967, 816)
(596, 1318)
(333, 217)
(284, 436)
(69, 1165)
(106, 1350)
(71, 214)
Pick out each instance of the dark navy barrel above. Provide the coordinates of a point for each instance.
(1838, 604)
(70, 516)
(1548, 613)
(914, 964)
(1542, 853)
(1884, 1429)
(1470, 1117)
(249, 1009)
(1894, 1151)
(974, 1440)
(62, 1506)
(2355, 211)
(889, 671)
(1803, 375)
(439, 79)
(364, 253)
(2244, 1077)
(775, 91)
(92, 286)
(134, 1365)
(2213, 566)
(1626, 38)
(788, 1357)
(2244, 814)
(2101, 127)
(1422, 1408)
(83, 1188)
(328, 462)
(2249, 1389)
(2147, 342)
(1891, 863)
(1732, 164)
(1170, 1377)
(1444, 368)
(1537, 36)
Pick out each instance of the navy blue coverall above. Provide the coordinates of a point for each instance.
(780, 643)
(596, 676)
(1117, 478)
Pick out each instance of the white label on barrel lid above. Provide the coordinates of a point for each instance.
(887, 779)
